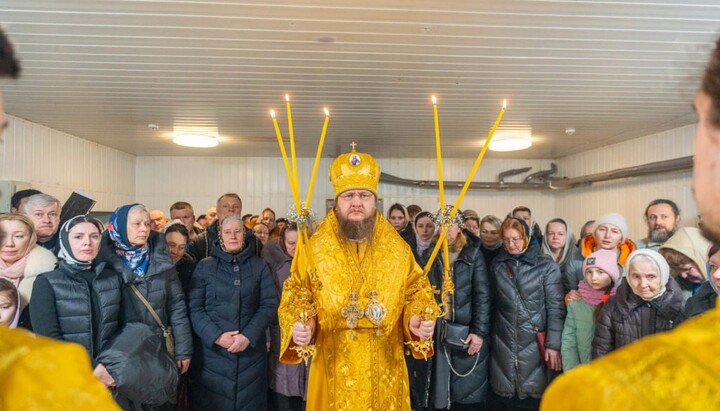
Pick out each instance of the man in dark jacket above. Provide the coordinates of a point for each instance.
(228, 203)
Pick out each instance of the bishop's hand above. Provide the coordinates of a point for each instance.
(302, 334)
(422, 329)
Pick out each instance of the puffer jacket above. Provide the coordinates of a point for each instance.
(231, 293)
(516, 366)
(626, 317)
(160, 286)
(471, 302)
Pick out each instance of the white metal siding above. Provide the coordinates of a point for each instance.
(58, 164)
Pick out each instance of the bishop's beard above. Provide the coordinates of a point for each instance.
(356, 230)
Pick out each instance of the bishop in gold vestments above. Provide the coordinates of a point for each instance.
(358, 362)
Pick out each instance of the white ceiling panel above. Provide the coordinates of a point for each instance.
(104, 70)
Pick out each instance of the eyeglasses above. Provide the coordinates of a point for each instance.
(513, 240)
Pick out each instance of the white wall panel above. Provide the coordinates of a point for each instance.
(58, 164)
(629, 197)
(262, 182)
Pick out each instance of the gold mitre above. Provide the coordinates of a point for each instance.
(354, 171)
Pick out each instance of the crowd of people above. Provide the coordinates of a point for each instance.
(216, 288)
(207, 303)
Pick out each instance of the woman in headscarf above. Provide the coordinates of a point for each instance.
(559, 244)
(686, 252)
(21, 260)
(648, 302)
(233, 300)
(141, 256)
(424, 232)
(400, 219)
(288, 382)
(707, 295)
(460, 375)
(527, 298)
(81, 300)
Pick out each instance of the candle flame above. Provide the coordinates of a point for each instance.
(504, 104)
(327, 113)
(272, 114)
(434, 100)
(287, 98)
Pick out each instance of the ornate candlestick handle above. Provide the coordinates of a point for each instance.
(305, 310)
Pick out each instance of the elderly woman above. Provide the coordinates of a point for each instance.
(706, 296)
(21, 260)
(460, 375)
(609, 233)
(686, 254)
(649, 302)
(527, 298)
(559, 244)
(287, 381)
(233, 300)
(491, 243)
(141, 256)
(81, 300)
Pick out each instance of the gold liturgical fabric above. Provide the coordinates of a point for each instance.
(360, 369)
(676, 370)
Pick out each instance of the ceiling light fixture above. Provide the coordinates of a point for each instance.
(511, 141)
(195, 140)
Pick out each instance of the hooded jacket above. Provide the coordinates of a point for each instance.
(690, 242)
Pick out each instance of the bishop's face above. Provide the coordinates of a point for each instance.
(355, 205)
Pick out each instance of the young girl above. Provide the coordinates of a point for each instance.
(9, 304)
(601, 274)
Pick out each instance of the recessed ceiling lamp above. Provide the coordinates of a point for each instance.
(195, 140)
(511, 141)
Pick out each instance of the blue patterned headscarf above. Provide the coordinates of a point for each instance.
(137, 258)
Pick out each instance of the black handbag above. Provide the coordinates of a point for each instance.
(453, 335)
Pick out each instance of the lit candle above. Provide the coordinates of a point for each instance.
(438, 152)
(293, 182)
(291, 130)
(317, 157)
(469, 179)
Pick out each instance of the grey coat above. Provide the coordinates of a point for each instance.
(516, 367)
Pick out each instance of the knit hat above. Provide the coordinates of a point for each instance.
(613, 219)
(605, 260)
(654, 256)
(354, 171)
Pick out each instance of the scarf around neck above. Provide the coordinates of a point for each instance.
(591, 295)
(137, 258)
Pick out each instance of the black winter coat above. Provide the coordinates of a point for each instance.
(516, 367)
(626, 317)
(78, 306)
(703, 300)
(160, 286)
(231, 293)
(471, 302)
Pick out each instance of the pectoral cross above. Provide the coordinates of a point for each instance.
(352, 313)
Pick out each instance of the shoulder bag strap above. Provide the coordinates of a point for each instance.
(522, 301)
(149, 307)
